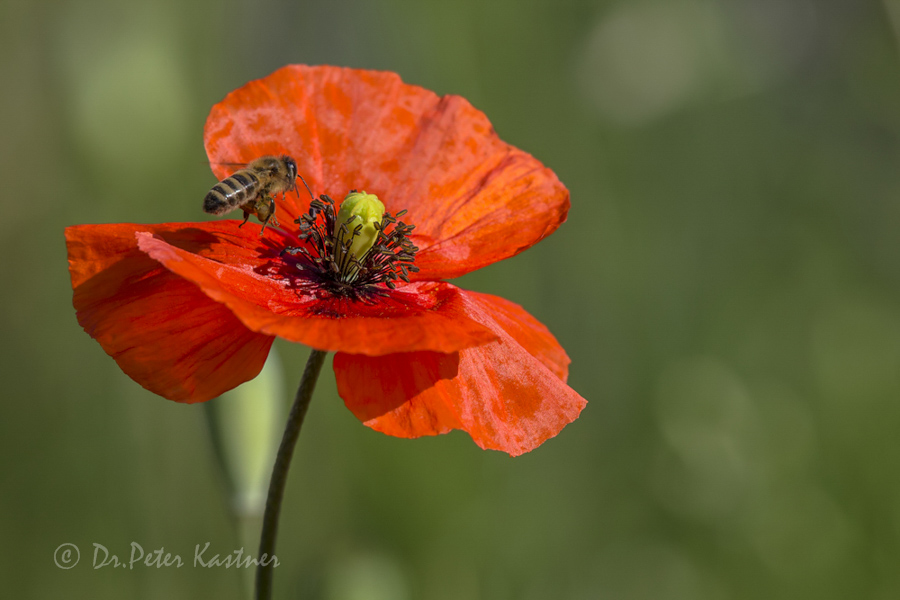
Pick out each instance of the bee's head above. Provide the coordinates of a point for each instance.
(291, 168)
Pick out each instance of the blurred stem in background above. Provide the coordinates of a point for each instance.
(244, 426)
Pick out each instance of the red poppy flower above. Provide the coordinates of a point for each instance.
(189, 310)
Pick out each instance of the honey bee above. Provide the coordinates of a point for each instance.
(252, 189)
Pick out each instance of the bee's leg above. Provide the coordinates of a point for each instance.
(266, 206)
(246, 216)
(272, 217)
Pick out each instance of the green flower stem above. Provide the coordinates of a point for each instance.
(266, 567)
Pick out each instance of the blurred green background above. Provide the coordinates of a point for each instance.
(728, 287)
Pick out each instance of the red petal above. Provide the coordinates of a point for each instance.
(527, 331)
(265, 295)
(163, 331)
(508, 395)
(473, 198)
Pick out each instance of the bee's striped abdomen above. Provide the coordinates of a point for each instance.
(231, 192)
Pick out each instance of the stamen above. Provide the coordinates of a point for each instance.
(329, 263)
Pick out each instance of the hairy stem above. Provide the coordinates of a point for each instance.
(267, 562)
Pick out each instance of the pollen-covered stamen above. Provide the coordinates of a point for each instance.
(392, 250)
(350, 253)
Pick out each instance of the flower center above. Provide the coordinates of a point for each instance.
(352, 252)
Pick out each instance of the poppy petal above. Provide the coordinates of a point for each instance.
(269, 296)
(508, 395)
(162, 330)
(473, 198)
(527, 331)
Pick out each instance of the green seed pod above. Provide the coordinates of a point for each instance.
(358, 208)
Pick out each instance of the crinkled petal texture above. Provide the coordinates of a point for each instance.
(161, 329)
(473, 198)
(508, 395)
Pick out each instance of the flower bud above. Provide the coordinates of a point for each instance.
(358, 208)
